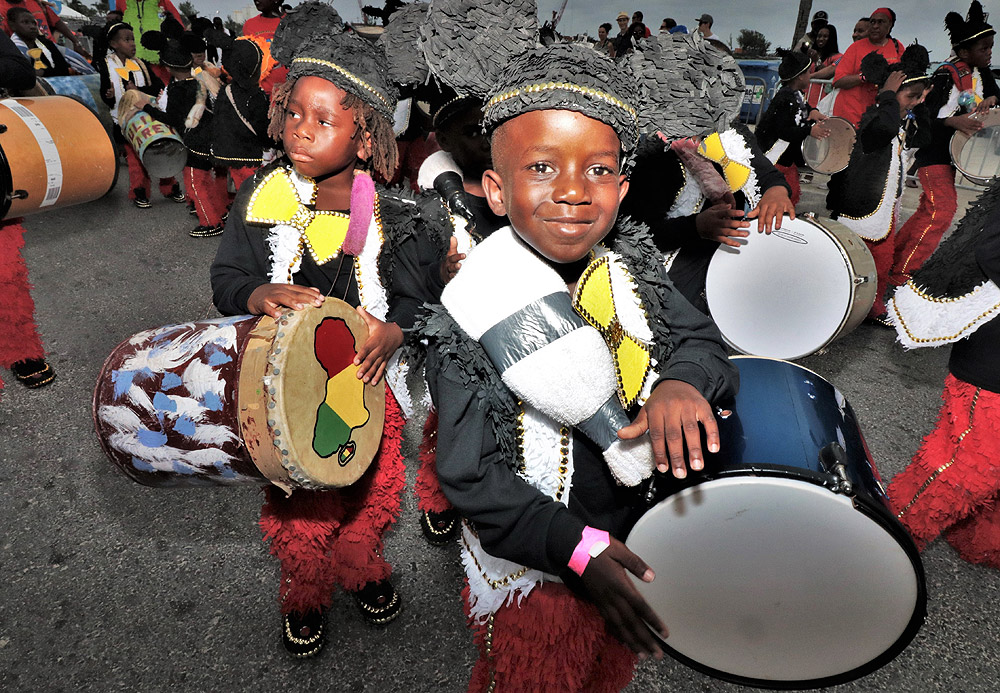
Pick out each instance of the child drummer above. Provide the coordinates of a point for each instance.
(542, 500)
(334, 116)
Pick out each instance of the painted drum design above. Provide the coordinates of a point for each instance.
(242, 400)
(158, 145)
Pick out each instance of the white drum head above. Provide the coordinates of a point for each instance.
(774, 580)
(783, 295)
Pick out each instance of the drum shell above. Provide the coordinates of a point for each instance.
(83, 148)
(746, 295)
(782, 418)
(833, 153)
(158, 145)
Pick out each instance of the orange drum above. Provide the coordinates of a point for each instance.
(242, 400)
(54, 152)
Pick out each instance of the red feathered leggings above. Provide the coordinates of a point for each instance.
(139, 178)
(922, 232)
(19, 338)
(882, 252)
(430, 497)
(953, 483)
(208, 193)
(552, 641)
(329, 539)
(239, 175)
(791, 174)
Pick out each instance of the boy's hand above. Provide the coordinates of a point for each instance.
(986, 104)
(819, 132)
(671, 415)
(383, 340)
(817, 117)
(624, 610)
(722, 223)
(895, 81)
(130, 85)
(774, 203)
(268, 299)
(964, 123)
(452, 262)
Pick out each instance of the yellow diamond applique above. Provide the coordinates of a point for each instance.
(325, 235)
(274, 201)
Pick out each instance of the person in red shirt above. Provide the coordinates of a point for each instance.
(855, 95)
(48, 22)
(261, 28)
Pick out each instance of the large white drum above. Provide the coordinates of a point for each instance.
(789, 293)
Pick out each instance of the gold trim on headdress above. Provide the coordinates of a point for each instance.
(567, 86)
(349, 75)
(991, 30)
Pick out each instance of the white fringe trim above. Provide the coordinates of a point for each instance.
(876, 226)
(776, 150)
(738, 150)
(921, 322)
(689, 200)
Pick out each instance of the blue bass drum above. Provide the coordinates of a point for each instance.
(781, 565)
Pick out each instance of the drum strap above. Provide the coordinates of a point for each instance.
(229, 93)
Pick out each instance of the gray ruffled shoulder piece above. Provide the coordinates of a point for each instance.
(401, 43)
(467, 42)
(567, 76)
(310, 41)
(689, 86)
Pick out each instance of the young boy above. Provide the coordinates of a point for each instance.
(960, 87)
(540, 494)
(789, 120)
(865, 196)
(48, 60)
(334, 116)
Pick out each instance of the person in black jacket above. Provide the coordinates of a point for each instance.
(865, 196)
(47, 58)
(16, 71)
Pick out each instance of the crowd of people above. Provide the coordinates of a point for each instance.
(530, 161)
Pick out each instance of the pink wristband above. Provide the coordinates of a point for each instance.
(592, 543)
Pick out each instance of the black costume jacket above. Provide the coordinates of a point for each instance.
(938, 150)
(181, 97)
(787, 118)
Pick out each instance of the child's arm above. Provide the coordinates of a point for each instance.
(179, 102)
(384, 338)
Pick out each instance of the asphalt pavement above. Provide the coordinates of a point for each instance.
(106, 585)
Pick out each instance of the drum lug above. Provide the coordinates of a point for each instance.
(3, 128)
(19, 195)
(861, 280)
(834, 461)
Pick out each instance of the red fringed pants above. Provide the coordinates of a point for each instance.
(882, 252)
(239, 175)
(953, 483)
(552, 641)
(19, 338)
(138, 177)
(326, 539)
(208, 193)
(922, 232)
(791, 174)
(430, 497)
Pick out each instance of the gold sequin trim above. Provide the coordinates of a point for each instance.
(565, 86)
(937, 472)
(947, 338)
(490, 664)
(495, 584)
(349, 75)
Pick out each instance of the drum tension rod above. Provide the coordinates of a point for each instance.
(19, 195)
(834, 461)
(3, 128)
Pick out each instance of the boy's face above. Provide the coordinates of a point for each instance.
(980, 54)
(320, 135)
(556, 176)
(123, 43)
(800, 82)
(269, 7)
(25, 26)
(198, 59)
(912, 95)
(462, 136)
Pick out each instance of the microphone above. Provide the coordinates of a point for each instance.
(448, 185)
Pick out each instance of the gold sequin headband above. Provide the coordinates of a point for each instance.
(566, 86)
(349, 75)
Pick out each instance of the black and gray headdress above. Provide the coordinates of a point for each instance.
(963, 32)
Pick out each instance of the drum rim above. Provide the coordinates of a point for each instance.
(829, 173)
(865, 506)
(957, 136)
(848, 308)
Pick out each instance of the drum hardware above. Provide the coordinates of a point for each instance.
(977, 157)
(833, 457)
(3, 128)
(858, 281)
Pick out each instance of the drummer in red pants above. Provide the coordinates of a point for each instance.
(962, 86)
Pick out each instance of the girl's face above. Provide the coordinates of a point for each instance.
(822, 36)
(123, 43)
(602, 33)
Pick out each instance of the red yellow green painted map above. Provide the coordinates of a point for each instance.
(344, 408)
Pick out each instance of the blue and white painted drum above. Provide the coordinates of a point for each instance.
(781, 566)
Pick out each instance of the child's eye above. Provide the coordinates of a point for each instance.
(602, 170)
(540, 167)
(291, 114)
(324, 122)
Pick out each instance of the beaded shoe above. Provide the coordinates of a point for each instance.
(379, 602)
(176, 194)
(33, 373)
(140, 200)
(439, 528)
(303, 636)
(205, 231)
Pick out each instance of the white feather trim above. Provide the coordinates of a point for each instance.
(568, 379)
(484, 598)
(434, 165)
(482, 293)
(921, 322)
(630, 461)
(738, 150)
(396, 373)
(689, 200)
(877, 225)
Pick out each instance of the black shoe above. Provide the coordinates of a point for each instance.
(33, 373)
(439, 528)
(880, 319)
(205, 231)
(379, 602)
(303, 636)
(176, 194)
(191, 210)
(140, 200)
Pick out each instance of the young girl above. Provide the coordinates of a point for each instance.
(865, 196)
(334, 117)
(121, 71)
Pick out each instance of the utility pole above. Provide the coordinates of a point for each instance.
(802, 21)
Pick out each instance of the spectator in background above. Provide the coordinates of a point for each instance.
(113, 16)
(861, 29)
(855, 94)
(667, 24)
(143, 16)
(604, 43)
(705, 23)
(805, 44)
(218, 25)
(46, 59)
(621, 41)
(637, 18)
(48, 21)
(261, 28)
(824, 56)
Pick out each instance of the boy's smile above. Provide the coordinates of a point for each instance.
(557, 177)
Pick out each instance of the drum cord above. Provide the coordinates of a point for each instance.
(350, 279)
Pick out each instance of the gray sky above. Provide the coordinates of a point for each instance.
(922, 19)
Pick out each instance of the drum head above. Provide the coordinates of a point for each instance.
(978, 157)
(831, 154)
(165, 158)
(327, 423)
(776, 582)
(785, 294)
